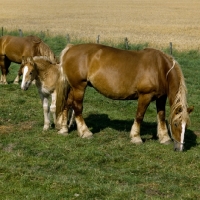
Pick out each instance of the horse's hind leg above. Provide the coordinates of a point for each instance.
(4, 63)
(162, 131)
(77, 105)
(143, 103)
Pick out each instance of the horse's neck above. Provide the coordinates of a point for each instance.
(173, 89)
(177, 88)
(46, 77)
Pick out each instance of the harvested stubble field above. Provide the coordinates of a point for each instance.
(156, 22)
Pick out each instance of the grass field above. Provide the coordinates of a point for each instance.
(157, 22)
(44, 165)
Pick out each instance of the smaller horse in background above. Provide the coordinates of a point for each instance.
(13, 48)
(46, 75)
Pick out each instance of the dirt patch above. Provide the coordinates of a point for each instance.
(22, 126)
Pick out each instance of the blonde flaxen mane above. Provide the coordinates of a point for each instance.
(46, 51)
(179, 106)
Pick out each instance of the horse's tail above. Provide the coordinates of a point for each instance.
(62, 86)
(45, 50)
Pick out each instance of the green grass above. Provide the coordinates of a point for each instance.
(44, 165)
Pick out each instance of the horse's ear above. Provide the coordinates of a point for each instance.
(190, 109)
(30, 60)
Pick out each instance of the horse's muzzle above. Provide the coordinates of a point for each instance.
(25, 86)
(178, 146)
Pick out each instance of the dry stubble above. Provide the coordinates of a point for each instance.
(157, 22)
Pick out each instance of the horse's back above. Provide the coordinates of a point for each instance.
(14, 47)
(118, 74)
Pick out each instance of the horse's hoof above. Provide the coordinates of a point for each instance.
(138, 142)
(63, 132)
(45, 128)
(87, 135)
(167, 142)
(16, 83)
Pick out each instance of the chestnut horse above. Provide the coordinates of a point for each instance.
(13, 48)
(46, 74)
(145, 75)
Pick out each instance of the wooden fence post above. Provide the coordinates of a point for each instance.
(68, 38)
(126, 43)
(170, 47)
(20, 33)
(98, 38)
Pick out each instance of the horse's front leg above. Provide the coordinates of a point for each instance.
(143, 103)
(53, 106)
(16, 81)
(4, 63)
(46, 113)
(162, 131)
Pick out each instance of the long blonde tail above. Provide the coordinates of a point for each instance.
(62, 86)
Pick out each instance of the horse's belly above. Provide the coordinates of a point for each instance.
(114, 89)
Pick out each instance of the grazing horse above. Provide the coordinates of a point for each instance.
(13, 48)
(46, 75)
(145, 75)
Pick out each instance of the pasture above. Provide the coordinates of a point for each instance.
(44, 165)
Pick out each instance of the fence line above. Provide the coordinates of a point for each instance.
(126, 41)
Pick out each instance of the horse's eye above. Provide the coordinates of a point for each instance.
(176, 124)
(179, 110)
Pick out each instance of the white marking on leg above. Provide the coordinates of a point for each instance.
(16, 81)
(53, 106)
(63, 125)
(46, 114)
(24, 75)
(83, 130)
(4, 79)
(135, 133)
(162, 132)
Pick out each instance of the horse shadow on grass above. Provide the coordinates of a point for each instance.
(99, 122)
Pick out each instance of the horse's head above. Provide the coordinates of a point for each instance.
(29, 72)
(178, 123)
